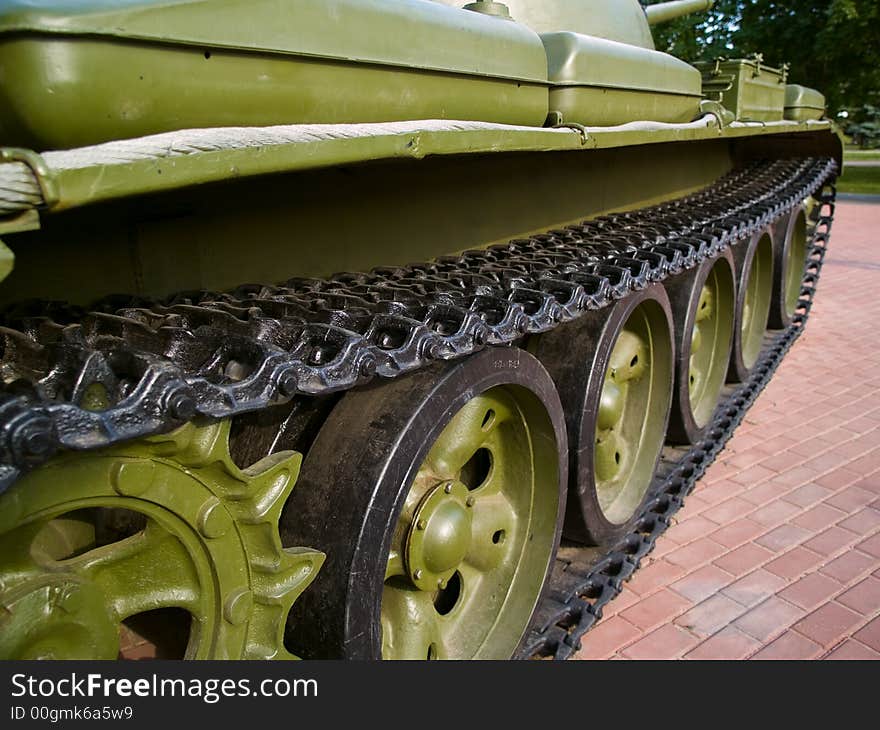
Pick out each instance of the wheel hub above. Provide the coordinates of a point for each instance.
(465, 537)
(440, 535)
(610, 405)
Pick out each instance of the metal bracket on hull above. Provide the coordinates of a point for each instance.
(38, 168)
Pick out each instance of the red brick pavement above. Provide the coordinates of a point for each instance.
(776, 554)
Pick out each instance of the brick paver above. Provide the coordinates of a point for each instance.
(776, 554)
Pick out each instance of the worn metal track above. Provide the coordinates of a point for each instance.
(132, 367)
(585, 580)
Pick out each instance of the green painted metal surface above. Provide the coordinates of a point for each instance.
(415, 34)
(603, 83)
(664, 12)
(475, 534)
(617, 20)
(633, 409)
(7, 261)
(79, 73)
(802, 103)
(748, 88)
(90, 184)
(395, 212)
(93, 541)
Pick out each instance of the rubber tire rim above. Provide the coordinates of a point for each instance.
(577, 356)
(688, 420)
(754, 266)
(351, 492)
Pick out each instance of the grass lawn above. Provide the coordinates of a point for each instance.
(862, 180)
(855, 154)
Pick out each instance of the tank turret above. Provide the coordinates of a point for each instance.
(663, 12)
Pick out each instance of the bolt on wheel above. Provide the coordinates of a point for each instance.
(440, 515)
(613, 369)
(703, 304)
(790, 257)
(754, 267)
(164, 529)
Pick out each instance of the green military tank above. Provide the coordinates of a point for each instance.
(560, 253)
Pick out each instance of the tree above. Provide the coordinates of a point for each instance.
(700, 36)
(832, 45)
(863, 126)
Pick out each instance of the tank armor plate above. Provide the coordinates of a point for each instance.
(601, 82)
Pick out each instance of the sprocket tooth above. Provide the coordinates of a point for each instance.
(263, 544)
(296, 570)
(209, 444)
(266, 635)
(274, 594)
(163, 445)
(272, 480)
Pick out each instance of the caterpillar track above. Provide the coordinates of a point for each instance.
(151, 366)
(131, 368)
(584, 580)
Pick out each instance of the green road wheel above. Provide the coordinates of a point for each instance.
(790, 259)
(613, 369)
(703, 307)
(754, 267)
(437, 498)
(165, 532)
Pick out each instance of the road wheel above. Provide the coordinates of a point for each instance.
(613, 370)
(703, 305)
(754, 267)
(790, 259)
(437, 498)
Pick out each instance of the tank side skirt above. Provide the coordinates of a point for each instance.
(173, 160)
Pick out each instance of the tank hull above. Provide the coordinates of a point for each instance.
(336, 387)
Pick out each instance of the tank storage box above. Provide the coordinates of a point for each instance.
(246, 64)
(751, 90)
(803, 103)
(602, 83)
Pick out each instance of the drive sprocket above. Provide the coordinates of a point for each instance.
(92, 541)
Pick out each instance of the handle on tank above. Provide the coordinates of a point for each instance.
(661, 12)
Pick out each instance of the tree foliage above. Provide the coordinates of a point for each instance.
(832, 45)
